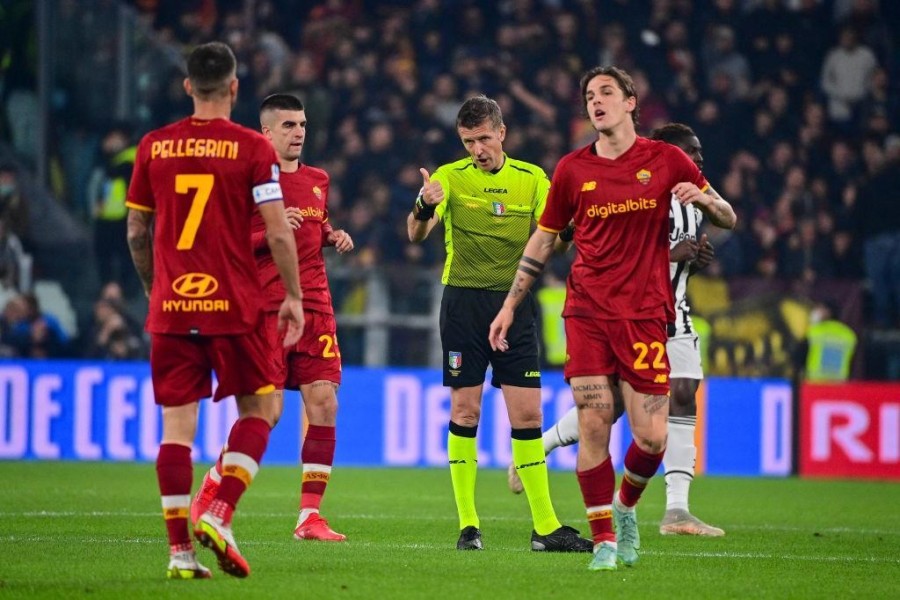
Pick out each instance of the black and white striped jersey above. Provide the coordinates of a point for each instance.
(684, 221)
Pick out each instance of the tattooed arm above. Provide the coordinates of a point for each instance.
(717, 209)
(140, 243)
(537, 251)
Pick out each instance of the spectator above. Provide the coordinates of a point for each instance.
(846, 72)
(31, 333)
(107, 190)
(15, 264)
(879, 229)
(13, 205)
(723, 60)
(110, 337)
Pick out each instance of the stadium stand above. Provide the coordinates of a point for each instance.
(796, 102)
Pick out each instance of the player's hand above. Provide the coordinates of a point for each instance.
(432, 192)
(499, 328)
(290, 320)
(686, 249)
(294, 218)
(689, 193)
(341, 241)
(705, 253)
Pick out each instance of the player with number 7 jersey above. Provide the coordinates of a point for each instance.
(195, 186)
(191, 173)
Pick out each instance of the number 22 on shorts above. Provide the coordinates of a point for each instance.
(640, 363)
(330, 344)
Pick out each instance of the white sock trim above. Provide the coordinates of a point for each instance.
(176, 501)
(243, 461)
(314, 468)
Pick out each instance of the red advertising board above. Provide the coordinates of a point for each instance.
(850, 430)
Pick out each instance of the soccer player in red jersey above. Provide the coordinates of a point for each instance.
(192, 196)
(617, 191)
(688, 252)
(313, 365)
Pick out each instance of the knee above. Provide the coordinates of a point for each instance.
(651, 444)
(465, 415)
(593, 426)
(323, 411)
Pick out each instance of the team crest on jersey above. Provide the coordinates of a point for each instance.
(454, 359)
(643, 176)
(498, 207)
(317, 191)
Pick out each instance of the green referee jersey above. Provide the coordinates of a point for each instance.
(487, 220)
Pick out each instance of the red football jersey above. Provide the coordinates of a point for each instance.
(203, 178)
(306, 189)
(621, 213)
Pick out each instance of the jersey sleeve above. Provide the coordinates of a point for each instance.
(441, 178)
(140, 194)
(560, 204)
(542, 188)
(265, 173)
(327, 227)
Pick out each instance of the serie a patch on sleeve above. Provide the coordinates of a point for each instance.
(267, 192)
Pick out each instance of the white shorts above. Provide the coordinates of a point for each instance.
(684, 357)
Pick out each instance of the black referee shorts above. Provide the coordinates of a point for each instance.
(466, 316)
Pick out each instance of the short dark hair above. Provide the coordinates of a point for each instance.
(210, 68)
(477, 110)
(281, 102)
(673, 133)
(626, 84)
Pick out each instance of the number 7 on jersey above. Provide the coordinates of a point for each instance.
(183, 184)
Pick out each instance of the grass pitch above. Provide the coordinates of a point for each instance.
(95, 530)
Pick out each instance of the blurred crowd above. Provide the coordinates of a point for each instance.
(796, 104)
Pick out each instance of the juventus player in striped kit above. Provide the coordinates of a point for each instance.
(687, 253)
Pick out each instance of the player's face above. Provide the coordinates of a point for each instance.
(694, 150)
(606, 104)
(484, 144)
(286, 129)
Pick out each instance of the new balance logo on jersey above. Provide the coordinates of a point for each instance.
(660, 378)
(532, 373)
(589, 186)
(496, 191)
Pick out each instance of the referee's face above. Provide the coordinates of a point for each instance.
(484, 144)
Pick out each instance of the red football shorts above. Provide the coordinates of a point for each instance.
(316, 357)
(635, 351)
(181, 366)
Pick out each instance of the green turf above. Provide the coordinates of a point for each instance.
(95, 530)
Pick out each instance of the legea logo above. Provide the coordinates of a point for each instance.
(195, 285)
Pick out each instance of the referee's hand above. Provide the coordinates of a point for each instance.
(432, 192)
(499, 327)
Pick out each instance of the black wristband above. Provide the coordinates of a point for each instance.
(568, 233)
(424, 210)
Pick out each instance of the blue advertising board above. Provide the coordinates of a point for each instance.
(76, 410)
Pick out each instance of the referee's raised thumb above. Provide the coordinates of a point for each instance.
(425, 176)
